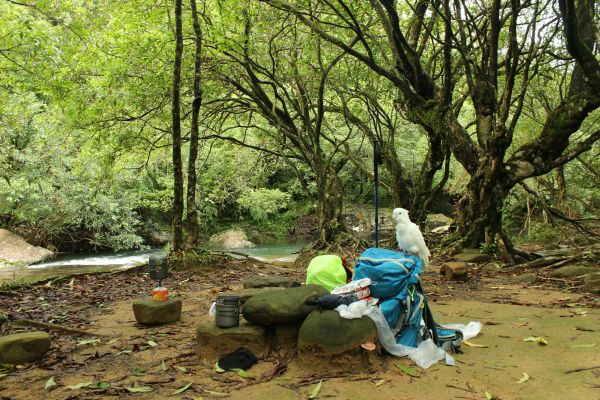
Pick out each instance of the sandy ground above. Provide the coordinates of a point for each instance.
(163, 359)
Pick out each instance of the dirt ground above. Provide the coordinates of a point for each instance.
(163, 361)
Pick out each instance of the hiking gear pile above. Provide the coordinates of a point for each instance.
(405, 325)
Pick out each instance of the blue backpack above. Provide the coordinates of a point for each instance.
(395, 282)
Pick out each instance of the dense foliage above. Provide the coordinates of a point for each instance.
(472, 101)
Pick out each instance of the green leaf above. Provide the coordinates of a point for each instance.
(524, 379)
(139, 389)
(163, 365)
(182, 369)
(182, 389)
(138, 371)
(89, 341)
(80, 385)
(50, 383)
(125, 352)
(100, 385)
(583, 346)
(112, 341)
(538, 339)
(240, 372)
(490, 396)
(216, 394)
(152, 343)
(315, 392)
(407, 370)
(219, 369)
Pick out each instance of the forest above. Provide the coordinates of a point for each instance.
(122, 118)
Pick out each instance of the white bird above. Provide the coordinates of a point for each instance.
(409, 236)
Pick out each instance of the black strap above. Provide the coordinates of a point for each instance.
(428, 317)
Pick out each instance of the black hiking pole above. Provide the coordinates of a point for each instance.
(376, 162)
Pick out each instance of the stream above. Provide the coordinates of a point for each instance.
(279, 252)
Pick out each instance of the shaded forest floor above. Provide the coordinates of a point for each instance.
(163, 359)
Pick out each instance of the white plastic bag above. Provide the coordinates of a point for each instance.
(213, 310)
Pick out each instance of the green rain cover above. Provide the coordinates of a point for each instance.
(326, 270)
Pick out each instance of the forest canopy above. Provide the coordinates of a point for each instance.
(122, 118)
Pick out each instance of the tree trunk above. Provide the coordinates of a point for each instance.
(192, 209)
(176, 115)
(330, 204)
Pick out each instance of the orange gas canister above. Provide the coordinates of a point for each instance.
(160, 293)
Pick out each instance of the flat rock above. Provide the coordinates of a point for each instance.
(25, 347)
(270, 281)
(281, 306)
(15, 250)
(437, 220)
(245, 294)
(472, 256)
(213, 342)
(329, 333)
(150, 312)
(572, 271)
(591, 282)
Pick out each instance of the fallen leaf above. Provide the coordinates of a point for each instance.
(583, 346)
(125, 352)
(182, 389)
(217, 394)
(241, 372)
(219, 369)
(315, 392)
(99, 385)
(380, 382)
(112, 341)
(152, 343)
(138, 372)
(80, 385)
(50, 383)
(407, 370)
(90, 341)
(139, 389)
(538, 339)
(182, 369)
(471, 344)
(163, 365)
(524, 379)
(490, 396)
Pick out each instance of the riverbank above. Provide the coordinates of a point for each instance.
(101, 303)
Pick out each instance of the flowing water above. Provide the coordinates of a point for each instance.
(280, 252)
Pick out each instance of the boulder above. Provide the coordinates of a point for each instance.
(25, 347)
(472, 256)
(15, 250)
(231, 239)
(591, 282)
(150, 312)
(270, 281)
(329, 333)
(281, 306)
(213, 342)
(245, 294)
(572, 271)
(457, 271)
(437, 220)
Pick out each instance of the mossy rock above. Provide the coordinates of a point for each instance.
(330, 334)
(25, 347)
(150, 312)
(572, 271)
(213, 342)
(281, 306)
(591, 282)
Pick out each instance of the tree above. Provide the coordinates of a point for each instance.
(445, 57)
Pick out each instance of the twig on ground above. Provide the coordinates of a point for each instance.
(581, 369)
(73, 331)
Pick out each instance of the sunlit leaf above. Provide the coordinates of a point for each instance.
(99, 385)
(241, 372)
(182, 369)
(112, 341)
(407, 370)
(380, 382)
(219, 369)
(138, 372)
(471, 344)
(315, 392)
(152, 343)
(538, 339)
(490, 396)
(89, 341)
(163, 365)
(80, 385)
(50, 383)
(216, 394)
(524, 379)
(139, 389)
(182, 389)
